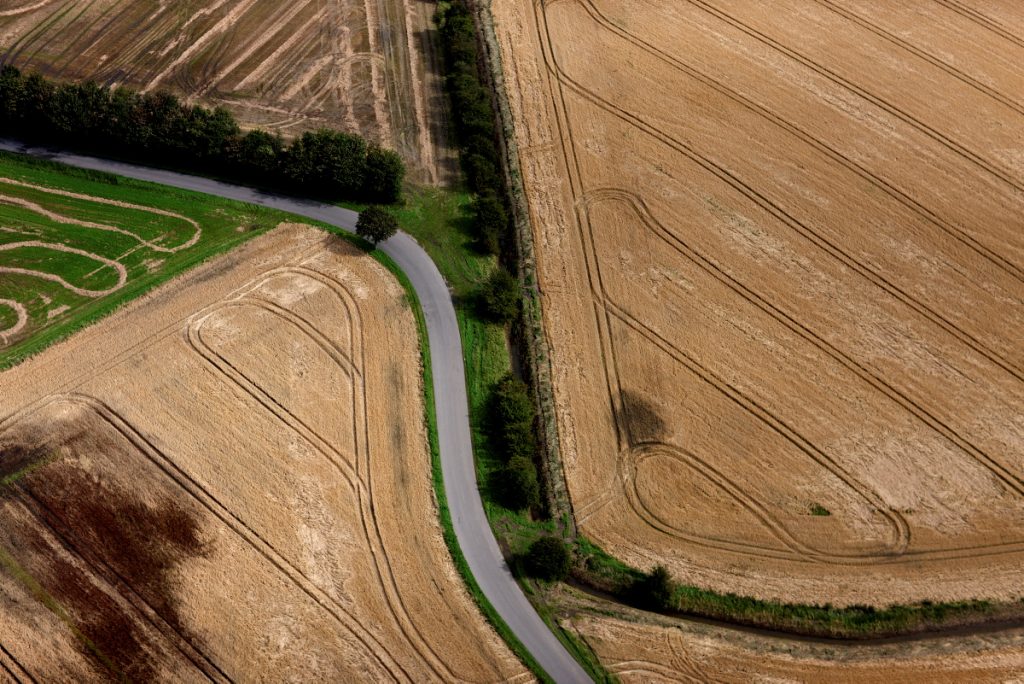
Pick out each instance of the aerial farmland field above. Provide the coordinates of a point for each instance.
(781, 258)
(681, 652)
(223, 479)
(74, 245)
(367, 67)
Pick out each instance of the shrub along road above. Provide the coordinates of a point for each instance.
(471, 527)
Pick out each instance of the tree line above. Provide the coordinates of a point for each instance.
(475, 129)
(159, 129)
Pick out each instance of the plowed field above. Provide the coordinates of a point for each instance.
(360, 65)
(781, 254)
(230, 479)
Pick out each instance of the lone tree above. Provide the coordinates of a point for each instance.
(376, 224)
(499, 297)
(547, 559)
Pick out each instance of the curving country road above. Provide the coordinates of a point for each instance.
(471, 527)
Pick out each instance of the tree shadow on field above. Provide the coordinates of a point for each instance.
(639, 419)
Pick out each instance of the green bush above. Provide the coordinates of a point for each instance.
(517, 484)
(499, 298)
(382, 181)
(511, 417)
(547, 559)
(376, 224)
(653, 591)
(490, 222)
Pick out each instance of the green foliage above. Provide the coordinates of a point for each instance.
(219, 218)
(376, 224)
(490, 222)
(382, 181)
(517, 484)
(158, 129)
(472, 107)
(547, 559)
(654, 590)
(511, 419)
(499, 299)
(818, 509)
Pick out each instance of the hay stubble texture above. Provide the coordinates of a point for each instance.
(781, 258)
(230, 478)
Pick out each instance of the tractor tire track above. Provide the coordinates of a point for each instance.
(371, 646)
(874, 380)
(980, 19)
(361, 487)
(954, 146)
(826, 245)
(48, 519)
(962, 236)
(122, 272)
(890, 37)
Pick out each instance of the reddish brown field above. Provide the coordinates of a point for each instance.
(781, 256)
(361, 65)
(230, 480)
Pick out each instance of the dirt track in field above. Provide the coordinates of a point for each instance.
(367, 66)
(782, 265)
(636, 650)
(230, 478)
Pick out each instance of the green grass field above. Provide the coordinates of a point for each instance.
(82, 243)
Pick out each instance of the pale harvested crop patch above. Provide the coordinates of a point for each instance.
(782, 266)
(679, 652)
(231, 478)
(366, 66)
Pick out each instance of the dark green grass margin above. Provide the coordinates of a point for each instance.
(448, 529)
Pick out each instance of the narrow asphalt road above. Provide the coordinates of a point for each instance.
(471, 527)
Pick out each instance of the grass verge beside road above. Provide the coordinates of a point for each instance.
(442, 501)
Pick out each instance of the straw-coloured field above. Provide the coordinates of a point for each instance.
(782, 265)
(366, 66)
(227, 480)
(652, 654)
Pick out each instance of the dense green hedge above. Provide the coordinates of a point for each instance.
(475, 129)
(158, 129)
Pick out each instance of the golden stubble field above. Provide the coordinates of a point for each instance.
(638, 651)
(230, 479)
(781, 255)
(366, 66)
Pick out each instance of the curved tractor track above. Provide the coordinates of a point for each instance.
(469, 520)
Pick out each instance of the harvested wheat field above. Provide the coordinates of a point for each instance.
(230, 479)
(781, 256)
(683, 652)
(367, 66)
